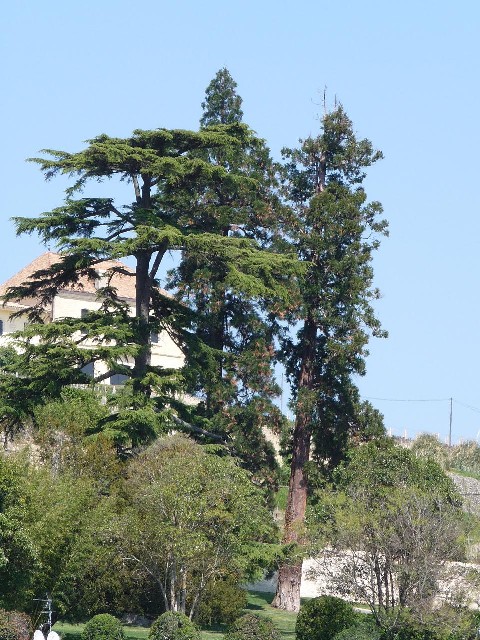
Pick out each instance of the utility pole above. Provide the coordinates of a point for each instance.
(450, 428)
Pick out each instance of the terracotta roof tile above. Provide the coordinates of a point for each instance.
(124, 284)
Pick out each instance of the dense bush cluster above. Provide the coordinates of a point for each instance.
(103, 627)
(462, 457)
(223, 601)
(173, 625)
(322, 618)
(252, 627)
(15, 625)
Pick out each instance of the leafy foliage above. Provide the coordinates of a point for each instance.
(67, 434)
(173, 625)
(234, 377)
(466, 457)
(15, 625)
(103, 627)
(252, 627)
(427, 445)
(222, 103)
(222, 602)
(172, 173)
(323, 618)
(334, 231)
(191, 516)
(94, 577)
(392, 523)
(18, 555)
(364, 628)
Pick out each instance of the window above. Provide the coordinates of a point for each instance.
(84, 314)
(88, 369)
(154, 337)
(1, 327)
(118, 378)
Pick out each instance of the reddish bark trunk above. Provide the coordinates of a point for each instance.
(287, 596)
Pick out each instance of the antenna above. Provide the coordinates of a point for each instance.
(47, 611)
(325, 100)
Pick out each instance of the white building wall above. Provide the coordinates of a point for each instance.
(165, 353)
(10, 325)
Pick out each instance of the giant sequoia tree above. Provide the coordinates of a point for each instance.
(334, 231)
(172, 173)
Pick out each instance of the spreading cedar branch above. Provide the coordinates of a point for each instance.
(173, 174)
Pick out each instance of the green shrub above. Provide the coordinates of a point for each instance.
(322, 618)
(15, 625)
(173, 626)
(411, 632)
(252, 627)
(222, 602)
(364, 628)
(103, 627)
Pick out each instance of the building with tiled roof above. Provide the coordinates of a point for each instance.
(77, 300)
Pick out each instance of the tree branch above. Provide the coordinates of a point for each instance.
(136, 186)
(158, 259)
(195, 429)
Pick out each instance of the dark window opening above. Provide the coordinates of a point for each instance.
(118, 378)
(84, 314)
(88, 369)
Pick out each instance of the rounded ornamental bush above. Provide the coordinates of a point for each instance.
(252, 627)
(322, 618)
(103, 627)
(15, 625)
(173, 625)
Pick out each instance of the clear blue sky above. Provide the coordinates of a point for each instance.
(407, 74)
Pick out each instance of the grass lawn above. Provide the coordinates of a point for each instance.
(257, 603)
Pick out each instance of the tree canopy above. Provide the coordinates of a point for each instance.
(193, 516)
(171, 173)
(334, 230)
(392, 523)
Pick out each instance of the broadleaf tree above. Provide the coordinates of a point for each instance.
(334, 231)
(390, 525)
(193, 516)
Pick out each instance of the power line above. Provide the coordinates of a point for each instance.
(410, 399)
(463, 404)
(450, 400)
(468, 406)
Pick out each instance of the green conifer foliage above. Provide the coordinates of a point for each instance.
(171, 173)
(222, 104)
(236, 382)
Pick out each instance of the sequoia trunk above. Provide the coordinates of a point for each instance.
(290, 574)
